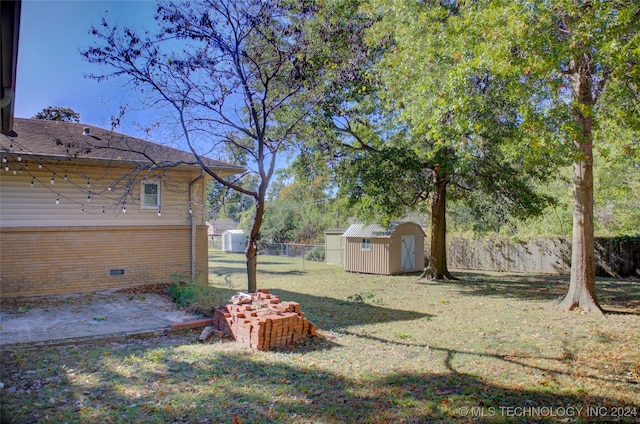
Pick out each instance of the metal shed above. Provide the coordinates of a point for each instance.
(373, 249)
(334, 246)
(234, 241)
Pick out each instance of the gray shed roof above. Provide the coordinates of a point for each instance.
(371, 230)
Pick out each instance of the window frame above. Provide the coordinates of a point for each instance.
(365, 244)
(143, 195)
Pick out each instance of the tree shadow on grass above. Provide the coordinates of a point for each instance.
(329, 313)
(153, 382)
(617, 296)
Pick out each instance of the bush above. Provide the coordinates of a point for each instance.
(315, 254)
(193, 297)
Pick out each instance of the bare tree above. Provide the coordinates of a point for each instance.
(233, 73)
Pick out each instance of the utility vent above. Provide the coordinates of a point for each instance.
(113, 272)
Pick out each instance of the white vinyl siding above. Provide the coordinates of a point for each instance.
(24, 206)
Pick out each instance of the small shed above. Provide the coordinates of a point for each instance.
(334, 246)
(373, 249)
(234, 241)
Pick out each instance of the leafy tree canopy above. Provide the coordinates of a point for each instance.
(58, 113)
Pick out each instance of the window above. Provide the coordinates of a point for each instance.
(150, 198)
(366, 244)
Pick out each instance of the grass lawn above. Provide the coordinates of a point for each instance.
(486, 348)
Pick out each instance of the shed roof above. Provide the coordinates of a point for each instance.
(372, 230)
(69, 140)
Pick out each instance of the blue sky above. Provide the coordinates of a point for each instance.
(51, 71)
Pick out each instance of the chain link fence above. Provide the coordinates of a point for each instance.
(310, 252)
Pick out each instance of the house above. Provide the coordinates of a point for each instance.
(85, 209)
(234, 241)
(219, 226)
(373, 249)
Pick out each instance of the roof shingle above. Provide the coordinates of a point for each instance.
(68, 140)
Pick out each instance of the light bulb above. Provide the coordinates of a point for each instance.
(19, 158)
(82, 209)
(89, 198)
(124, 208)
(57, 200)
(6, 168)
(15, 170)
(53, 179)
(159, 212)
(65, 175)
(40, 165)
(109, 187)
(4, 159)
(32, 183)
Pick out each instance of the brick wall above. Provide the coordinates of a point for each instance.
(58, 260)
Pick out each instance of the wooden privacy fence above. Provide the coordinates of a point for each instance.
(615, 257)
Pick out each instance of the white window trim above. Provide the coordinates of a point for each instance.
(142, 196)
(365, 244)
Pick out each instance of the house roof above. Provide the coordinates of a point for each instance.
(372, 230)
(69, 140)
(221, 225)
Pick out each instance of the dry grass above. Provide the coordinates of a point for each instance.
(487, 348)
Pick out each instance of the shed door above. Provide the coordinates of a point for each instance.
(408, 253)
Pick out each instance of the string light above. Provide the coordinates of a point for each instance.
(89, 198)
(159, 212)
(88, 183)
(6, 167)
(103, 209)
(82, 209)
(32, 183)
(26, 165)
(109, 187)
(57, 199)
(19, 157)
(21, 169)
(65, 175)
(15, 170)
(124, 208)
(40, 165)
(190, 210)
(53, 179)
(4, 159)
(11, 147)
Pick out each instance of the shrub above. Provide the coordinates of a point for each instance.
(195, 298)
(315, 254)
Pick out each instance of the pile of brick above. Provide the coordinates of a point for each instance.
(264, 322)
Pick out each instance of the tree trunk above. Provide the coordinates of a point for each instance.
(582, 286)
(252, 247)
(437, 268)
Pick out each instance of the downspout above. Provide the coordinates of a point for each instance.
(193, 235)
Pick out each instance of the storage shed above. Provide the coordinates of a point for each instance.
(334, 246)
(234, 241)
(373, 249)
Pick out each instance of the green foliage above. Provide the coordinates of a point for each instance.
(315, 254)
(58, 113)
(193, 297)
